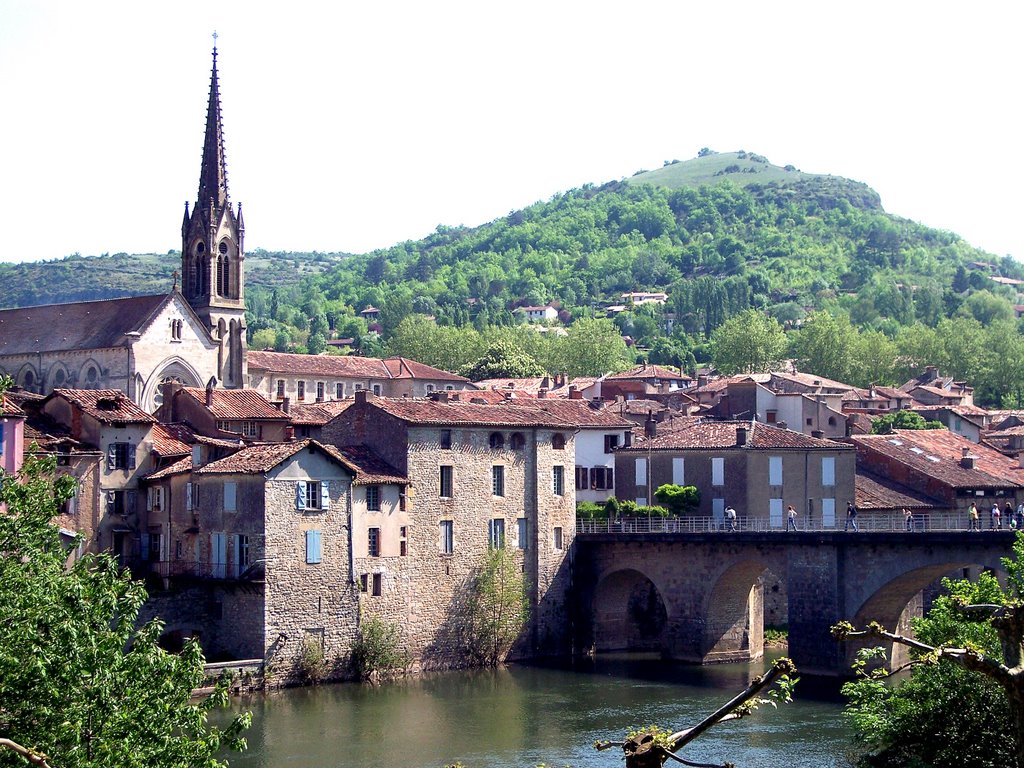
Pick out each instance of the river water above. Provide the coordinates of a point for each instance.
(522, 716)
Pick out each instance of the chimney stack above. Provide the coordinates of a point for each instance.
(817, 433)
(363, 396)
(650, 425)
(209, 394)
(575, 393)
(967, 460)
(286, 405)
(741, 436)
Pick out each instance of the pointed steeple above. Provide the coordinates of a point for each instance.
(213, 176)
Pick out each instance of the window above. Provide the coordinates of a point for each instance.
(496, 533)
(241, 561)
(243, 428)
(320, 391)
(447, 489)
(828, 470)
(447, 537)
(230, 492)
(582, 479)
(120, 502)
(373, 542)
(121, 456)
(558, 480)
(771, 417)
(611, 442)
(280, 387)
(176, 330)
(189, 497)
(640, 469)
(446, 439)
(496, 441)
(373, 498)
(364, 581)
(339, 390)
(828, 513)
(430, 388)
(498, 480)
(775, 470)
(678, 471)
(810, 422)
(300, 392)
(718, 471)
(312, 547)
(401, 500)
(558, 537)
(558, 441)
(312, 495)
(359, 387)
(521, 530)
(377, 581)
(156, 498)
(376, 391)
(403, 541)
(602, 478)
(518, 441)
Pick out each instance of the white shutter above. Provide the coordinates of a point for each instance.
(300, 494)
(718, 510)
(641, 471)
(718, 471)
(775, 513)
(188, 497)
(678, 471)
(775, 470)
(325, 495)
(828, 470)
(230, 494)
(828, 513)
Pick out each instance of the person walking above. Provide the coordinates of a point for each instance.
(851, 517)
(994, 523)
(973, 521)
(730, 519)
(1008, 515)
(790, 518)
(1020, 516)
(908, 517)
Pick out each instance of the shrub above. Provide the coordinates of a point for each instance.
(312, 662)
(591, 510)
(377, 651)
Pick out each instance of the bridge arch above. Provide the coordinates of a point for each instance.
(734, 613)
(629, 613)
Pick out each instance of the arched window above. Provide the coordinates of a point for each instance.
(831, 421)
(518, 441)
(28, 380)
(92, 377)
(497, 441)
(59, 378)
(558, 441)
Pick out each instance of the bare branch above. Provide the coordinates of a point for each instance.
(35, 758)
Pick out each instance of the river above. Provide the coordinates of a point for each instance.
(522, 716)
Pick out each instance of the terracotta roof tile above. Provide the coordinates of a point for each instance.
(318, 414)
(404, 368)
(580, 413)
(177, 468)
(171, 439)
(370, 468)
(107, 406)
(876, 492)
(10, 408)
(937, 453)
(347, 366)
(256, 459)
(722, 434)
(648, 372)
(231, 404)
(422, 411)
(77, 325)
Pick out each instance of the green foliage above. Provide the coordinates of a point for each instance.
(591, 510)
(499, 606)
(312, 662)
(79, 679)
(751, 342)
(630, 508)
(885, 424)
(679, 499)
(378, 652)
(897, 725)
(501, 360)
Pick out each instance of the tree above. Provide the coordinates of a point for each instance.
(966, 683)
(499, 607)
(750, 342)
(825, 346)
(502, 360)
(680, 499)
(78, 678)
(591, 347)
(885, 424)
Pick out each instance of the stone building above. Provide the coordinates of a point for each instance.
(224, 413)
(479, 476)
(323, 378)
(757, 469)
(135, 344)
(12, 435)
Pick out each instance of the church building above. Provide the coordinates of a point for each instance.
(194, 334)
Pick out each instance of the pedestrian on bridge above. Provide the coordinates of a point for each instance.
(908, 516)
(973, 521)
(730, 519)
(790, 518)
(851, 517)
(994, 521)
(1020, 516)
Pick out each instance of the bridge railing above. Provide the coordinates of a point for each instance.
(865, 522)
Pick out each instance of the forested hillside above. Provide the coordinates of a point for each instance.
(726, 236)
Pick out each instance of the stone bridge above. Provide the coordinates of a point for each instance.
(704, 597)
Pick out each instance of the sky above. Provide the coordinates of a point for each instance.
(354, 126)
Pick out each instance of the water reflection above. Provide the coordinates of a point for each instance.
(525, 715)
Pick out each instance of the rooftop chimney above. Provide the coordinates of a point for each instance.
(817, 433)
(782, 425)
(363, 396)
(967, 461)
(650, 425)
(965, 452)
(542, 392)
(286, 405)
(741, 436)
(209, 394)
(575, 393)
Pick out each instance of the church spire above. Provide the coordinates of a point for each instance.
(213, 176)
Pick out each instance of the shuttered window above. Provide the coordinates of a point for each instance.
(312, 547)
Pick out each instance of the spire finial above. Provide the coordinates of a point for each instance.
(215, 42)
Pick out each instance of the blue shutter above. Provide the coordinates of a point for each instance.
(325, 495)
(312, 547)
(300, 494)
(112, 456)
(131, 455)
(144, 540)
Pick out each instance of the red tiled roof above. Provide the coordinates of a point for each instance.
(347, 366)
(937, 453)
(370, 468)
(420, 411)
(404, 368)
(171, 439)
(722, 434)
(648, 372)
(937, 391)
(181, 465)
(318, 414)
(811, 380)
(581, 413)
(231, 404)
(9, 408)
(107, 406)
(77, 325)
(875, 492)
(255, 459)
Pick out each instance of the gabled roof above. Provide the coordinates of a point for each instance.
(257, 459)
(404, 368)
(171, 439)
(433, 412)
(77, 325)
(347, 366)
(318, 414)
(937, 453)
(647, 371)
(370, 469)
(719, 435)
(581, 413)
(107, 406)
(235, 404)
(177, 468)
(876, 492)
(9, 408)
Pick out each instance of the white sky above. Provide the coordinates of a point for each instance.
(352, 126)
